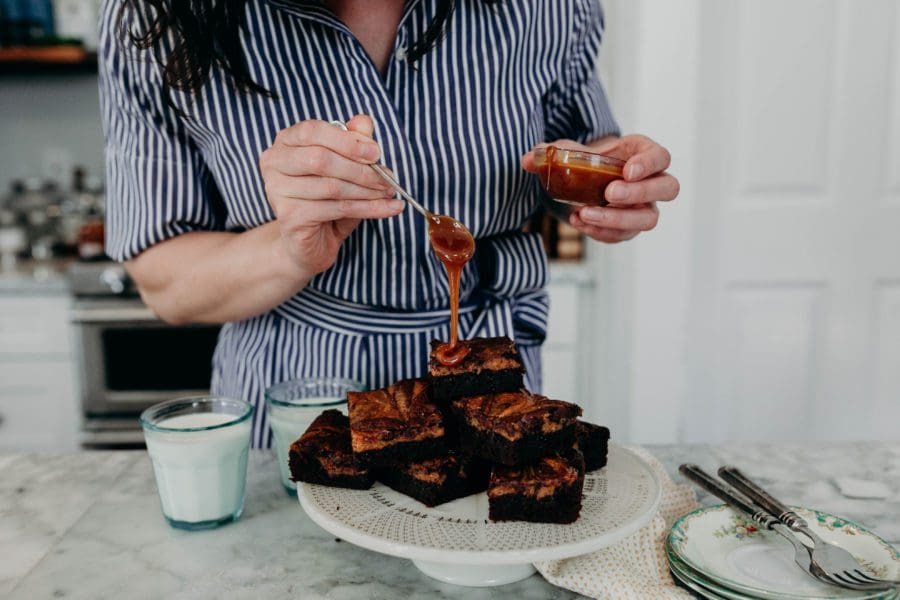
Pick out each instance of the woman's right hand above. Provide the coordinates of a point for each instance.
(319, 183)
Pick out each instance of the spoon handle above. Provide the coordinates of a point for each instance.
(399, 189)
(386, 175)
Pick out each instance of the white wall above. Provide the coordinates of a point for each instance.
(47, 126)
(649, 50)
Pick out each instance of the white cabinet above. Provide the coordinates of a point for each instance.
(38, 406)
(34, 326)
(38, 401)
(564, 355)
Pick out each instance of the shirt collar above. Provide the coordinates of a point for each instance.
(312, 10)
(315, 10)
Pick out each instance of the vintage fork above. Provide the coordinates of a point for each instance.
(746, 506)
(802, 553)
(837, 563)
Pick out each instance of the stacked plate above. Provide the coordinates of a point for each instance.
(718, 553)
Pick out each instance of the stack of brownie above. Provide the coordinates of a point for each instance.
(396, 435)
(464, 429)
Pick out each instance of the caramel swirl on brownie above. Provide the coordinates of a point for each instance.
(537, 479)
(398, 421)
(547, 491)
(323, 454)
(437, 480)
(515, 428)
(485, 354)
(491, 365)
(514, 414)
(433, 470)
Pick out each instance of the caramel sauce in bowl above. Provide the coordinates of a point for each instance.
(454, 246)
(574, 178)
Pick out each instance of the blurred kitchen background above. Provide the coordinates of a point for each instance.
(766, 306)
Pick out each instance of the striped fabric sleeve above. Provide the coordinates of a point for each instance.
(158, 186)
(577, 107)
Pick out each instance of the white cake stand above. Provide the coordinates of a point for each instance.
(456, 543)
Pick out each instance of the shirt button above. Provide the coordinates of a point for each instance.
(400, 53)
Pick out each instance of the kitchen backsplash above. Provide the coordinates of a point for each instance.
(49, 124)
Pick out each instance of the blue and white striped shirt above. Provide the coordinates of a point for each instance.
(452, 127)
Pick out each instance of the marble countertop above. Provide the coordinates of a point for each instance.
(88, 525)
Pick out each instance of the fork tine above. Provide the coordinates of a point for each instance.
(863, 576)
(834, 578)
(866, 577)
(847, 581)
(893, 582)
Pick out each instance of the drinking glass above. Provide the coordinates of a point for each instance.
(199, 449)
(294, 405)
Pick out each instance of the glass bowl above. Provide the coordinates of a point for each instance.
(573, 178)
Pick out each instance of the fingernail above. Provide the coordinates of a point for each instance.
(617, 191)
(369, 151)
(635, 171)
(398, 205)
(591, 213)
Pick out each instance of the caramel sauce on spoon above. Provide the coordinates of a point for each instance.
(454, 246)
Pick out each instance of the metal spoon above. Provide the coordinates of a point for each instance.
(386, 175)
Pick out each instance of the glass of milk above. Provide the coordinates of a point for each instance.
(199, 448)
(294, 405)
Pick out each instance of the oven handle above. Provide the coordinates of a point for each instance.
(112, 315)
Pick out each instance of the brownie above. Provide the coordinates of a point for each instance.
(593, 441)
(396, 424)
(437, 480)
(514, 428)
(323, 455)
(492, 365)
(547, 491)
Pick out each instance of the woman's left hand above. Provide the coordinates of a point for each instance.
(632, 201)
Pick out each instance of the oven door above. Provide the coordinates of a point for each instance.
(130, 360)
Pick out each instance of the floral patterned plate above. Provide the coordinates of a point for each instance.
(725, 547)
(695, 587)
(712, 590)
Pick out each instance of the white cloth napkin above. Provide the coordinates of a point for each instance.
(635, 568)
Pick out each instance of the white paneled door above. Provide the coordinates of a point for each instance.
(790, 326)
(797, 222)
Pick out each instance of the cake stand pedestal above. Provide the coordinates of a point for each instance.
(457, 543)
(475, 575)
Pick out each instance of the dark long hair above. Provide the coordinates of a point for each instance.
(206, 33)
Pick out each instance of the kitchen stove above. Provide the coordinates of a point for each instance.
(128, 358)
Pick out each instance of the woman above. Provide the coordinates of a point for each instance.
(233, 201)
